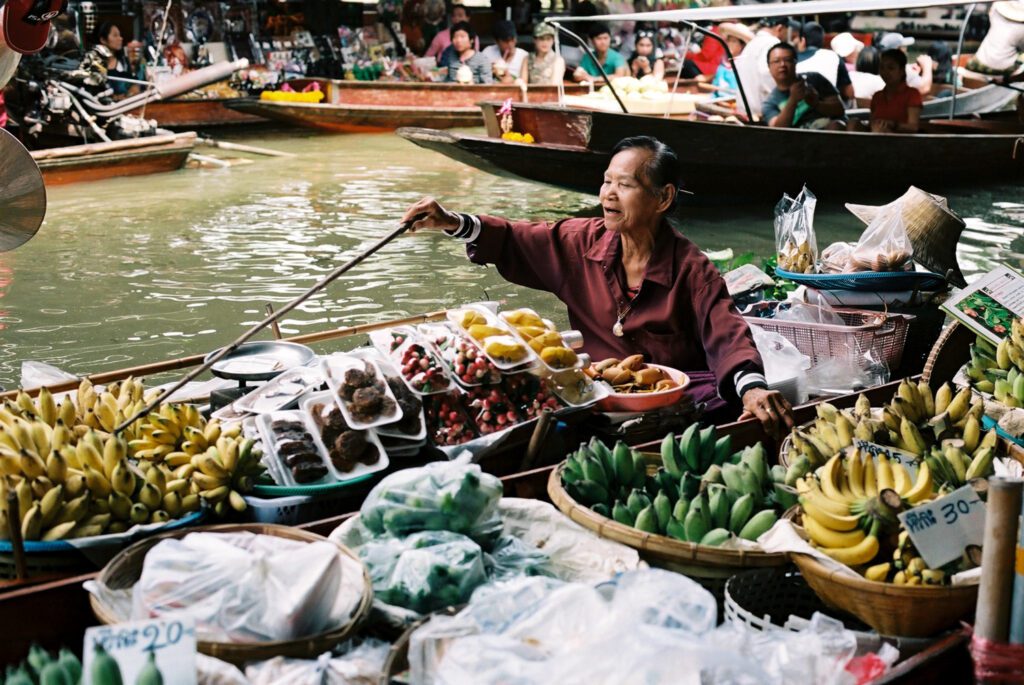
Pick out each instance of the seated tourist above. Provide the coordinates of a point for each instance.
(610, 60)
(646, 59)
(442, 39)
(464, 64)
(805, 101)
(508, 63)
(545, 66)
(897, 107)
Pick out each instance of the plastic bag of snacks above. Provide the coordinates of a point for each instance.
(439, 496)
(795, 242)
(884, 245)
(424, 571)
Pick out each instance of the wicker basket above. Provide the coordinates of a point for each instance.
(906, 610)
(709, 566)
(398, 656)
(883, 334)
(124, 570)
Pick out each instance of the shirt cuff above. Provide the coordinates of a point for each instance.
(748, 380)
(468, 229)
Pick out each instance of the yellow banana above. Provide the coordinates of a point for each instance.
(924, 487)
(236, 501)
(215, 494)
(172, 504)
(74, 510)
(150, 496)
(155, 476)
(31, 465)
(26, 498)
(829, 477)
(25, 404)
(59, 531)
(972, 434)
(210, 465)
(883, 474)
(878, 572)
(32, 523)
(959, 405)
(139, 513)
(901, 478)
(87, 531)
(233, 431)
(827, 518)
(212, 432)
(120, 506)
(89, 456)
(74, 484)
(858, 554)
(66, 412)
(855, 471)
(97, 483)
(190, 502)
(122, 480)
(205, 482)
(927, 398)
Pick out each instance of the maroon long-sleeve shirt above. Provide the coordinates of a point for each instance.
(682, 317)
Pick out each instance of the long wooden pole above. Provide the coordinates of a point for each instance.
(270, 319)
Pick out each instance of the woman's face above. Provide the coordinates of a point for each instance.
(628, 203)
(544, 44)
(735, 45)
(891, 72)
(113, 40)
(644, 46)
(460, 41)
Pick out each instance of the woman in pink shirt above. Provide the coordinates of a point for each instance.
(631, 282)
(460, 13)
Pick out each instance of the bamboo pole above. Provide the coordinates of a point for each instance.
(992, 618)
(238, 147)
(142, 370)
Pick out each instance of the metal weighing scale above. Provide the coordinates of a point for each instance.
(255, 362)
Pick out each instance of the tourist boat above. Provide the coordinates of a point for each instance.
(185, 113)
(367, 106)
(729, 162)
(134, 157)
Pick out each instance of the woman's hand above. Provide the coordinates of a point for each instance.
(770, 408)
(435, 216)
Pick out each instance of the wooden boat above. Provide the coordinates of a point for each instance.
(95, 161)
(728, 162)
(192, 113)
(369, 106)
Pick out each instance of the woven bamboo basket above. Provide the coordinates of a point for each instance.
(906, 610)
(398, 656)
(124, 571)
(709, 566)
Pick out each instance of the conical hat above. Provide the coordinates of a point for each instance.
(933, 228)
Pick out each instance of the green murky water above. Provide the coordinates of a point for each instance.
(137, 270)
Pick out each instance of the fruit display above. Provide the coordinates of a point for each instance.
(703, 493)
(529, 394)
(417, 364)
(631, 375)
(504, 350)
(411, 423)
(447, 423)
(542, 338)
(942, 431)
(999, 370)
(345, 447)
(464, 358)
(491, 409)
(44, 668)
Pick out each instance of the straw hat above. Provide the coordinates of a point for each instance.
(933, 228)
(738, 31)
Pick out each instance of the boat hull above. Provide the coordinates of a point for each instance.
(97, 161)
(729, 163)
(190, 114)
(374, 106)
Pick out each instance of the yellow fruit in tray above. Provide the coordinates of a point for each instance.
(482, 331)
(505, 349)
(530, 332)
(549, 339)
(523, 317)
(471, 318)
(558, 357)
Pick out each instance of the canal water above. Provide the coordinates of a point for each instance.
(137, 270)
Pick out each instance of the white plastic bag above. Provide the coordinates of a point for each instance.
(241, 587)
(884, 245)
(784, 364)
(39, 374)
(795, 242)
(359, 664)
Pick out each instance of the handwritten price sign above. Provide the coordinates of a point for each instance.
(895, 455)
(944, 527)
(166, 647)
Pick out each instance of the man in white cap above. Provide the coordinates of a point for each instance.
(847, 47)
(919, 72)
(999, 52)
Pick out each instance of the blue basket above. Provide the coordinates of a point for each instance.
(870, 281)
(57, 546)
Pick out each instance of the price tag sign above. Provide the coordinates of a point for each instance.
(140, 647)
(943, 528)
(908, 459)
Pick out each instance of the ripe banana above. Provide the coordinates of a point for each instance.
(858, 554)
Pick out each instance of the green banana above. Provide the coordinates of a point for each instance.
(72, 666)
(694, 526)
(602, 509)
(639, 471)
(622, 461)
(689, 486)
(713, 474)
(716, 537)
(723, 449)
(104, 670)
(785, 495)
(622, 514)
(662, 510)
(593, 470)
(719, 502)
(689, 446)
(798, 468)
(707, 448)
(603, 454)
(981, 464)
(758, 525)
(676, 529)
(588, 492)
(740, 513)
(647, 520)
(751, 482)
(733, 478)
(637, 502)
(670, 455)
(150, 674)
(680, 510)
(53, 674)
(778, 473)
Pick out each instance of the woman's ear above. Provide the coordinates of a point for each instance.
(668, 197)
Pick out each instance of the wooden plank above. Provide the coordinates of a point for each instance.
(114, 146)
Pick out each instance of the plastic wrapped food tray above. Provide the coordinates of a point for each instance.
(335, 367)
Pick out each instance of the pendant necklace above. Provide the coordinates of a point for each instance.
(620, 314)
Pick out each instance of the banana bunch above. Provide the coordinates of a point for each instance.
(704, 493)
(177, 429)
(908, 568)
(226, 469)
(999, 370)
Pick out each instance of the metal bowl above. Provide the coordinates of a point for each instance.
(261, 361)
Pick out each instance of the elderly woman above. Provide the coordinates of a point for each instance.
(631, 283)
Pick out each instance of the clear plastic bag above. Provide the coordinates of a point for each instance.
(884, 245)
(439, 496)
(352, 664)
(425, 571)
(808, 306)
(784, 364)
(835, 259)
(510, 557)
(241, 587)
(795, 242)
